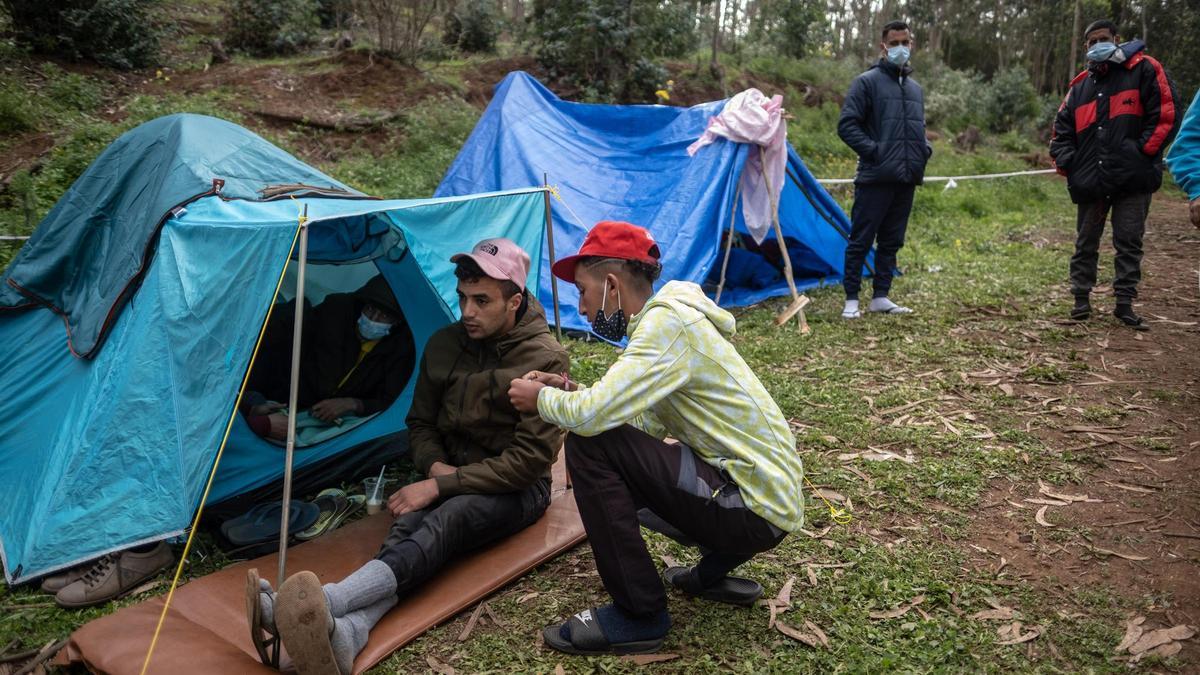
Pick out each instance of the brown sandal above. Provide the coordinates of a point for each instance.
(254, 617)
(303, 620)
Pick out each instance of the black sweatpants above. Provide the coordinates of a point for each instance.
(622, 470)
(878, 217)
(1128, 226)
(421, 542)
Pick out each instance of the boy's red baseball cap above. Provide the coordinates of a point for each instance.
(610, 239)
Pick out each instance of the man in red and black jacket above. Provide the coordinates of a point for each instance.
(1118, 117)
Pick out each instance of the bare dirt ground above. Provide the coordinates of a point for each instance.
(1135, 416)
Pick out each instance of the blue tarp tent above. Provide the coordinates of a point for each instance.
(630, 162)
(100, 453)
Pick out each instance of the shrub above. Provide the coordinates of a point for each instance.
(606, 46)
(953, 98)
(473, 27)
(270, 27)
(16, 114)
(1012, 101)
(115, 33)
(398, 26)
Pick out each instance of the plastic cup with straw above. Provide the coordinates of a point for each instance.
(373, 487)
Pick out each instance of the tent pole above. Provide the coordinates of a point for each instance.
(798, 301)
(729, 243)
(550, 243)
(293, 394)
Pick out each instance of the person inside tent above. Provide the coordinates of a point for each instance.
(731, 483)
(357, 356)
(487, 467)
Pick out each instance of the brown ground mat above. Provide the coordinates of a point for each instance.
(205, 630)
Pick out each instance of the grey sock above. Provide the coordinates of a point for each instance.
(366, 586)
(266, 603)
(350, 632)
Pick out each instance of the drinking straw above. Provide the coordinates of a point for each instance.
(378, 481)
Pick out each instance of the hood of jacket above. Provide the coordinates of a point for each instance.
(689, 301)
(892, 69)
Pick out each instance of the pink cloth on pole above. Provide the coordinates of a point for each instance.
(751, 117)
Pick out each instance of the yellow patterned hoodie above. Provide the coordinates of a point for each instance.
(680, 376)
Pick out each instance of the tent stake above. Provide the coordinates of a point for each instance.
(293, 394)
(550, 244)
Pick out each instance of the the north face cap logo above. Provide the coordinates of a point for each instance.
(490, 249)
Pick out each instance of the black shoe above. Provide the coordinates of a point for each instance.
(1082, 310)
(1125, 313)
(730, 590)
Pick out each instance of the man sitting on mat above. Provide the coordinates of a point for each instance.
(488, 466)
(732, 482)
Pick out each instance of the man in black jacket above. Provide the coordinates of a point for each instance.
(883, 120)
(1109, 135)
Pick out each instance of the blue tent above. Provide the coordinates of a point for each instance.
(630, 162)
(104, 452)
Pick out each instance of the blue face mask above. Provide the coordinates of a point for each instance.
(1101, 51)
(898, 55)
(372, 330)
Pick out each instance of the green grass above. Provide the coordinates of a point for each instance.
(973, 252)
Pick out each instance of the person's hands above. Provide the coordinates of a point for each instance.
(332, 408)
(279, 424)
(1194, 208)
(440, 469)
(266, 408)
(524, 394)
(548, 379)
(413, 497)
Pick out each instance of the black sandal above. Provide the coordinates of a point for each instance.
(729, 590)
(587, 638)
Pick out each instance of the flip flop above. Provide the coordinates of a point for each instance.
(262, 523)
(330, 502)
(892, 310)
(729, 590)
(587, 638)
(254, 616)
(302, 617)
(352, 505)
(856, 314)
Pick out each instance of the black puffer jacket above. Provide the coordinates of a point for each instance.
(883, 120)
(1113, 125)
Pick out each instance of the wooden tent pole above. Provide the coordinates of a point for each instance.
(729, 242)
(550, 245)
(293, 395)
(798, 301)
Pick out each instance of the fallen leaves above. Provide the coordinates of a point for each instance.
(439, 667)
(812, 636)
(1163, 642)
(899, 611)
(1040, 517)
(1044, 489)
(815, 637)
(998, 612)
(1107, 552)
(647, 659)
(1014, 633)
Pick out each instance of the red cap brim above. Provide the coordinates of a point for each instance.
(565, 268)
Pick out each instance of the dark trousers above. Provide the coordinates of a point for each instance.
(878, 217)
(421, 542)
(620, 471)
(1128, 225)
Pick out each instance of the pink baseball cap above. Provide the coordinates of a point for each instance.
(500, 259)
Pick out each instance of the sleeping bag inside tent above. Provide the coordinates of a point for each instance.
(123, 367)
(630, 162)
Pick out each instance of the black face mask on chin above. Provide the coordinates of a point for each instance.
(610, 327)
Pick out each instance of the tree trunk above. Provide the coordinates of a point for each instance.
(1075, 28)
(716, 34)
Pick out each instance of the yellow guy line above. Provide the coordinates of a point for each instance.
(208, 486)
(840, 516)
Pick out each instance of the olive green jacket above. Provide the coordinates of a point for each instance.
(461, 414)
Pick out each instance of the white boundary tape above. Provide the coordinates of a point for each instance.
(934, 179)
(824, 181)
